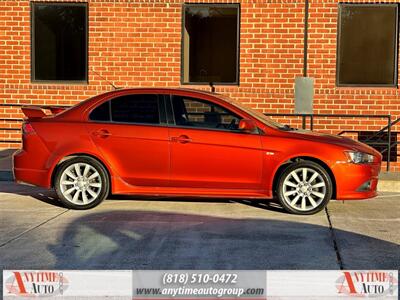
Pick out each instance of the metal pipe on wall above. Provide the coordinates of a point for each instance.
(306, 8)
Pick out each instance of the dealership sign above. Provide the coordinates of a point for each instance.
(369, 283)
(65, 283)
(35, 283)
(376, 284)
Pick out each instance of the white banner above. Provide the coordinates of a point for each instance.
(74, 284)
(210, 284)
(332, 284)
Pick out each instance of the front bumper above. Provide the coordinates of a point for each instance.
(356, 181)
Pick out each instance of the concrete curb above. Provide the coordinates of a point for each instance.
(389, 186)
(389, 182)
(6, 164)
(6, 176)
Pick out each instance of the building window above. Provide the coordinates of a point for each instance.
(210, 43)
(367, 45)
(59, 41)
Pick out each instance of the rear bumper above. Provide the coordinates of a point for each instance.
(35, 177)
(356, 182)
(25, 170)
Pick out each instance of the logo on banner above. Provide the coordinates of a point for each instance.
(36, 283)
(366, 283)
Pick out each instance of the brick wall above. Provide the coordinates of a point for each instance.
(137, 43)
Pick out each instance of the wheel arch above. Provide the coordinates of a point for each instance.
(285, 164)
(70, 156)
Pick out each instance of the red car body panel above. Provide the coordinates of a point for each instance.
(172, 160)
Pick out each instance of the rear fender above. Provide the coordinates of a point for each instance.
(57, 158)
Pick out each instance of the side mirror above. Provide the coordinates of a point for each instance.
(247, 125)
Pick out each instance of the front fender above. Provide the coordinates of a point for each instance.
(282, 150)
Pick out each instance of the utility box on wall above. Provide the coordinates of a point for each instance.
(303, 95)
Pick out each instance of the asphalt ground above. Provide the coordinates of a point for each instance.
(36, 232)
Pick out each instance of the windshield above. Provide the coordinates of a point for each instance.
(256, 114)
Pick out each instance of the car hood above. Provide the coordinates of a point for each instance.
(332, 139)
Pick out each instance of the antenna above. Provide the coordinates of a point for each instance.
(105, 79)
(212, 87)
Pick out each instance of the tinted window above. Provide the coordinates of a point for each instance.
(101, 113)
(210, 43)
(198, 113)
(59, 41)
(136, 109)
(367, 44)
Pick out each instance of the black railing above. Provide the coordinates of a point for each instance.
(388, 128)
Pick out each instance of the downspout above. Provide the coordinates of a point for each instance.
(305, 37)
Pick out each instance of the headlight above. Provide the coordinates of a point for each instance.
(359, 157)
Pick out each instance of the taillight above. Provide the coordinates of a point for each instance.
(27, 128)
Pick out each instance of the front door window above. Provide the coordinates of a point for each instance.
(198, 113)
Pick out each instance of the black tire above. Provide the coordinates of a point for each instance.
(102, 178)
(304, 189)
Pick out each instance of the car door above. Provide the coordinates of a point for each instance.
(131, 135)
(209, 151)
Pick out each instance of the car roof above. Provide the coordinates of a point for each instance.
(75, 111)
(177, 89)
(167, 89)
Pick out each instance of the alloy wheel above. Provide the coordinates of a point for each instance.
(80, 183)
(304, 189)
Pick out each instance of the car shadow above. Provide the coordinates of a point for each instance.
(50, 197)
(142, 238)
(43, 195)
(168, 240)
(268, 204)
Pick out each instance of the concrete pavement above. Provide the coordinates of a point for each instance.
(368, 232)
(122, 233)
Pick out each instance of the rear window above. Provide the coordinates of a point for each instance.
(135, 109)
(101, 112)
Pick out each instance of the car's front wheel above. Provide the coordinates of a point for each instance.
(81, 183)
(304, 188)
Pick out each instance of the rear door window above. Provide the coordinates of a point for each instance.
(141, 109)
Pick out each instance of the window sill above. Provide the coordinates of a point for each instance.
(369, 87)
(59, 82)
(213, 83)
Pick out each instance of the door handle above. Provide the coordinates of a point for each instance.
(183, 139)
(101, 133)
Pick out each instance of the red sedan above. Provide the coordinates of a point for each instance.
(179, 142)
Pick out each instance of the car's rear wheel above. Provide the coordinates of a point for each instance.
(304, 188)
(81, 183)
